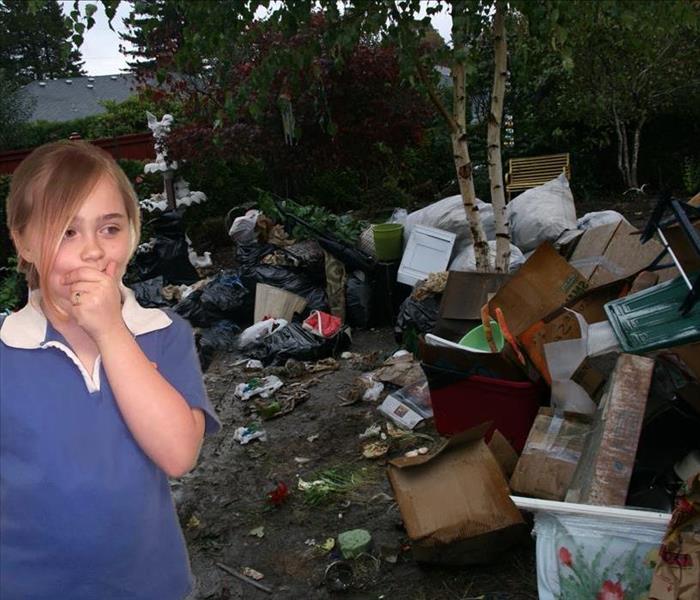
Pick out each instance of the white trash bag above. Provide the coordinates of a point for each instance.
(541, 214)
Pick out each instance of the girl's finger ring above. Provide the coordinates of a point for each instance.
(76, 298)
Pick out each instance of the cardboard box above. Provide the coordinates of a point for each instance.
(543, 284)
(454, 502)
(464, 295)
(563, 325)
(605, 468)
(552, 451)
(612, 252)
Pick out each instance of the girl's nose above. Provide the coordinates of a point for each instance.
(92, 250)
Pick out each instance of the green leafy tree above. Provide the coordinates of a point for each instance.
(214, 35)
(36, 41)
(632, 60)
(15, 109)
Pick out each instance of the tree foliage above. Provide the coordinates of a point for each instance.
(36, 41)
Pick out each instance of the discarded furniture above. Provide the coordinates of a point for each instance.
(531, 171)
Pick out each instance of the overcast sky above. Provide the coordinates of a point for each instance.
(101, 45)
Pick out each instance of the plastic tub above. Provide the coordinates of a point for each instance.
(460, 403)
(388, 238)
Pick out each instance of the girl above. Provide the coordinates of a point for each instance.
(101, 400)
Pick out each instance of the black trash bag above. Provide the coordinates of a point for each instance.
(292, 280)
(358, 300)
(420, 315)
(228, 297)
(190, 308)
(248, 256)
(223, 298)
(148, 293)
(293, 341)
(220, 337)
(166, 255)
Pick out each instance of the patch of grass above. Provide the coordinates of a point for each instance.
(329, 484)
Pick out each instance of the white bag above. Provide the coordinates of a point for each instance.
(448, 214)
(598, 218)
(541, 214)
(242, 229)
(466, 260)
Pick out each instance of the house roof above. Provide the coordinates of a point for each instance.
(76, 97)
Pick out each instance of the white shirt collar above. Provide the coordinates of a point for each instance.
(26, 328)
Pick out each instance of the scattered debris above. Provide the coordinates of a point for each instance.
(243, 578)
(257, 531)
(263, 387)
(244, 435)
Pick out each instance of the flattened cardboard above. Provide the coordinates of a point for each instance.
(464, 295)
(543, 284)
(612, 252)
(455, 502)
(552, 451)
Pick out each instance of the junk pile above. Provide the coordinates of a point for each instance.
(583, 364)
(567, 387)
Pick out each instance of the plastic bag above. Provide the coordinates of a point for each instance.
(167, 254)
(541, 214)
(598, 218)
(259, 330)
(220, 337)
(148, 293)
(242, 229)
(293, 281)
(358, 300)
(294, 341)
(466, 261)
(419, 314)
(248, 256)
(226, 295)
(448, 214)
(322, 324)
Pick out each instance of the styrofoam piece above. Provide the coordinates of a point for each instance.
(631, 515)
(428, 251)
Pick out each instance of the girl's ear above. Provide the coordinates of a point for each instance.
(23, 246)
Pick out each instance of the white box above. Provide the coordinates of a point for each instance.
(428, 251)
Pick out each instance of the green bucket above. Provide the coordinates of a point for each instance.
(475, 339)
(387, 241)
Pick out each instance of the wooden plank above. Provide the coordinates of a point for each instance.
(604, 471)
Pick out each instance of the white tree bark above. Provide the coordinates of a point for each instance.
(463, 166)
(498, 199)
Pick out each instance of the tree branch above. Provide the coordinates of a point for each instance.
(434, 98)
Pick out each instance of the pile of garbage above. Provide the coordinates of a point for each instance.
(567, 387)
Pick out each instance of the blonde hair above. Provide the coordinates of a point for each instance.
(48, 189)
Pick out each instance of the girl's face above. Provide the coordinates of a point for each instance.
(99, 233)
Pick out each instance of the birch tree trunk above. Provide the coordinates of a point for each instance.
(498, 199)
(626, 164)
(463, 165)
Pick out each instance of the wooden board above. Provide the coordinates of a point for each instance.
(605, 468)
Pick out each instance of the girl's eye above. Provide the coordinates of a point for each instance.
(112, 229)
(69, 233)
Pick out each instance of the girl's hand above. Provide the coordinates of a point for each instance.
(95, 300)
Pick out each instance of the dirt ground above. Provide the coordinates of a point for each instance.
(225, 498)
(227, 518)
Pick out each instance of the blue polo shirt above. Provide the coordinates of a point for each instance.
(84, 513)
